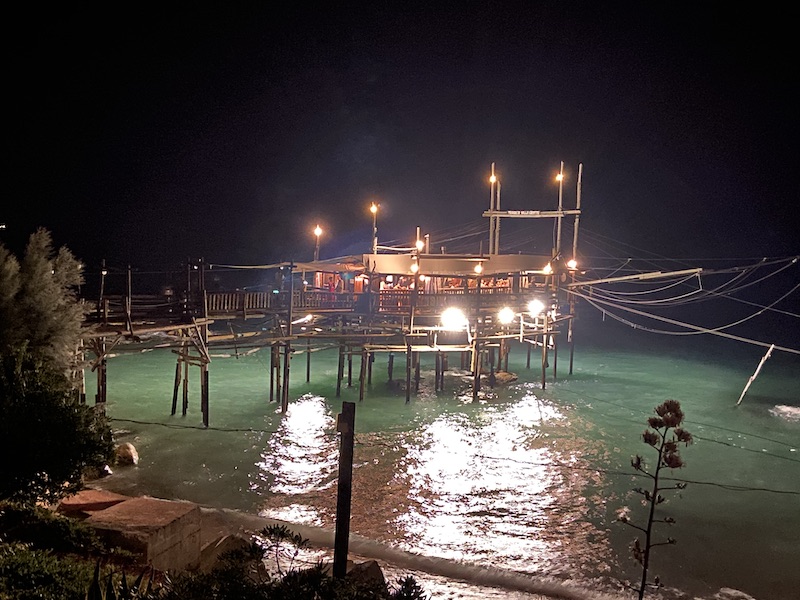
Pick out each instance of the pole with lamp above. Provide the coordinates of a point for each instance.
(373, 208)
(560, 179)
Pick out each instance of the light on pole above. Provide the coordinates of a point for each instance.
(317, 233)
(560, 179)
(373, 208)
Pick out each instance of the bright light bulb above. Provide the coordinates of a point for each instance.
(420, 244)
(414, 267)
(479, 268)
(453, 319)
(547, 269)
(506, 315)
(373, 208)
(317, 231)
(493, 179)
(535, 307)
(572, 263)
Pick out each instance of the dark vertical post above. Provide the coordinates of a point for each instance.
(437, 370)
(528, 362)
(362, 377)
(349, 366)
(391, 365)
(346, 427)
(544, 352)
(369, 367)
(272, 373)
(308, 360)
(555, 357)
(477, 360)
(416, 371)
(176, 387)
(340, 371)
(408, 371)
(277, 367)
(185, 380)
(287, 357)
(204, 393)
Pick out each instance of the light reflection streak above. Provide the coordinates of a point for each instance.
(466, 504)
(301, 458)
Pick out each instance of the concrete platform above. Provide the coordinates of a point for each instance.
(164, 533)
(88, 501)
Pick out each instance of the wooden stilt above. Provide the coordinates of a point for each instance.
(277, 368)
(340, 371)
(308, 360)
(528, 362)
(391, 365)
(349, 366)
(476, 380)
(417, 362)
(544, 359)
(437, 370)
(362, 377)
(185, 382)
(204, 393)
(370, 360)
(176, 387)
(571, 339)
(408, 372)
(272, 373)
(287, 359)
(555, 357)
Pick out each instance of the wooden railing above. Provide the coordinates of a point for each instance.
(247, 303)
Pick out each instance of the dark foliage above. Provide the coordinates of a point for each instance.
(47, 439)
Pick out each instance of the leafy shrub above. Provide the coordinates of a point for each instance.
(29, 574)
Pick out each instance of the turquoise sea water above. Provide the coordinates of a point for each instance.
(525, 479)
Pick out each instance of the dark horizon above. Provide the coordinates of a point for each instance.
(227, 134)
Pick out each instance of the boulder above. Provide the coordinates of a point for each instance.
(368, 572)
(210, 554)
(126, 454)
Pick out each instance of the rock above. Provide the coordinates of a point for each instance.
(368, 572)
(210, 554)
(500, 377)
(126, 454)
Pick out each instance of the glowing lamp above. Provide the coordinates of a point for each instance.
(535, 307)
(453, 319)
(506, 315)
(572, 263)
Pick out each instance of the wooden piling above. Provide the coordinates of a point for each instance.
(340, 371)
(308, 360)
(204, 395)
(408, 372)
(362, 377)
(417, 362)
(287, 358)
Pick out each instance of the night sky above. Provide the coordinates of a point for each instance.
(144, 135)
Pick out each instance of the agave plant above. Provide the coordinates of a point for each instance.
(664, 435)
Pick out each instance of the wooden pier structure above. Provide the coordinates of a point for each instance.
(365, 305)
(409, 302)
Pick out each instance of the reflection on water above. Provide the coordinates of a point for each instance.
(486, 484)
(300, 459)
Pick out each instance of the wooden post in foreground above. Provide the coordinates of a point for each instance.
(346, 427)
